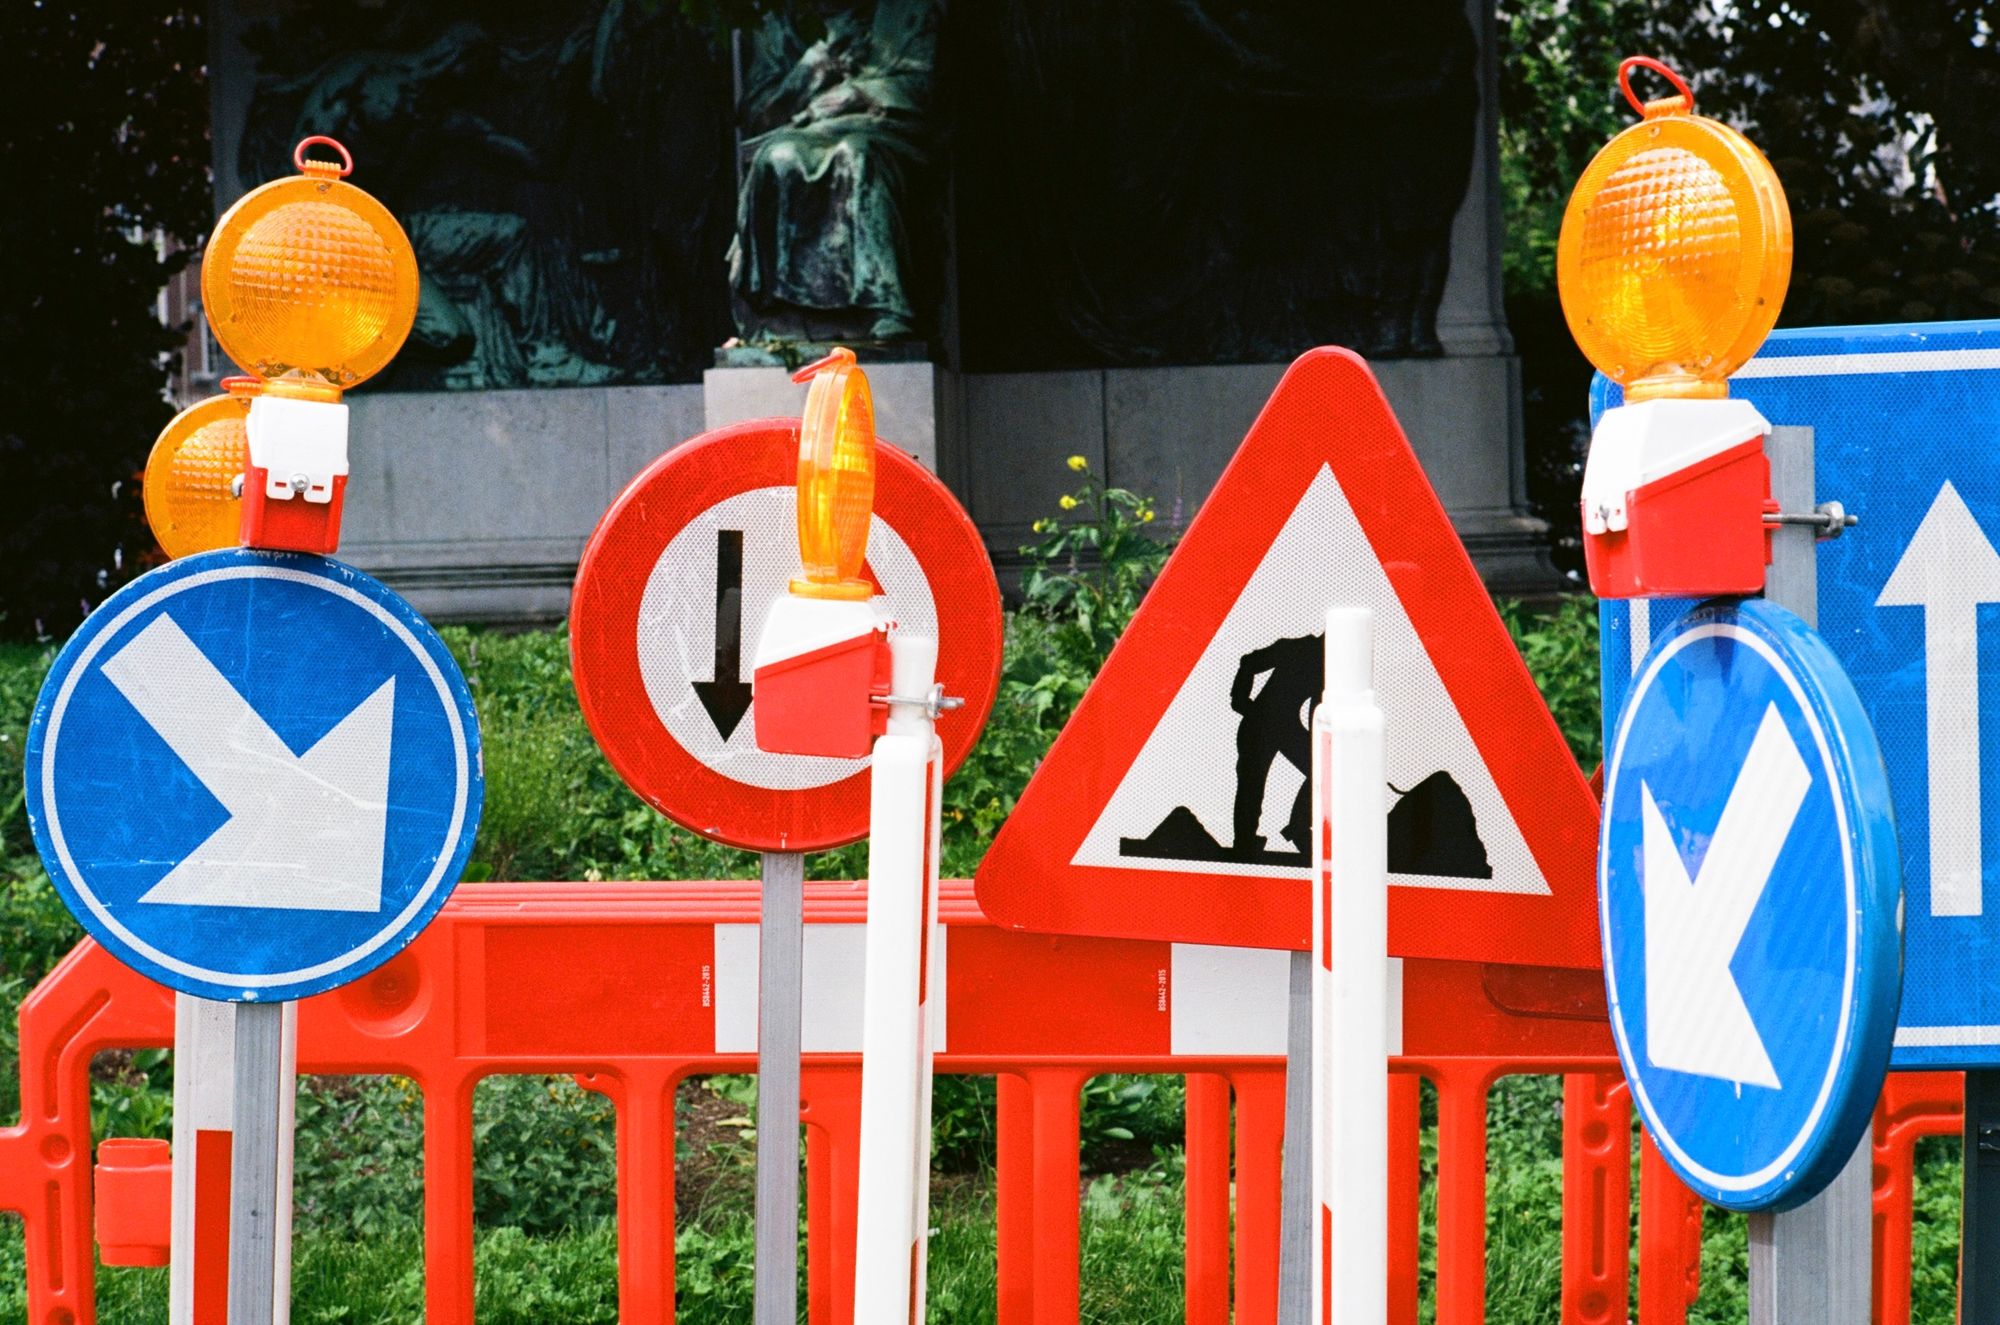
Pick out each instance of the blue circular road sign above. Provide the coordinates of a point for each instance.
(1749, 889)
(254, 776)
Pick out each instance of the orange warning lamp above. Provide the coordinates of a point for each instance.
(1672, 264)
(308, 280)
(836, 478)
(822, 659)
(193, 485)
(309, 283)
(1676, 250)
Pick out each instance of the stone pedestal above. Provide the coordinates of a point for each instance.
(906, 395)
(1168, 432)
(476, 504)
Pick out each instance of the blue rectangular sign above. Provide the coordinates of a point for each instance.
(1906, 423)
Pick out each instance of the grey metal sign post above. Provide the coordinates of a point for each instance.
(1295, 1226)
(254, 1240)
(780, 991)
(1812, 1263)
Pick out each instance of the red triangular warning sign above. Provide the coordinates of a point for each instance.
(1171, 805)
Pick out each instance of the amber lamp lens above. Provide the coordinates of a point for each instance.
(1675, 253)
(836, 480)
(310, 277)
(189, 488)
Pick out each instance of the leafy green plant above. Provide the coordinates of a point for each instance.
(1126, 1116)
(1559, 643)
(1083, 581)
(544, 1154)
(713, 1266)
(358, 1162)
(132, 1094)
(1086, 576)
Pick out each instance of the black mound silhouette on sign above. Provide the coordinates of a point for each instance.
(1180, 836)
(1432, 829)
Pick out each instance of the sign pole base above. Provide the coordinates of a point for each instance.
(1295, 1177)
(780, 973)
(256, 1164)
(1813, 1263)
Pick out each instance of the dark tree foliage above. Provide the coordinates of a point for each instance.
(103, 135)
(1877, 114)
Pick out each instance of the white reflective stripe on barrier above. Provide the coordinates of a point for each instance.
(834, 962)
(1228, 1002)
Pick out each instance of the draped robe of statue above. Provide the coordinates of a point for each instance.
(835, 164)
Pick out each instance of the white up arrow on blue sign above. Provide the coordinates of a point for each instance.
(254, 776)
(1749, 886)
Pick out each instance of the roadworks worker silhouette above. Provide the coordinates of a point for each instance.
(1277, 721)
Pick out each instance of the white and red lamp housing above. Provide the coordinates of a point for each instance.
(821, 677)
(1675, 492)
(296, 480)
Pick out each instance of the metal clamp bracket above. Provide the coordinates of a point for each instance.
(1829, 519)
(934, 704)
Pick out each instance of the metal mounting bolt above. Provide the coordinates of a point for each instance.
(934, 704)
(1829, 519)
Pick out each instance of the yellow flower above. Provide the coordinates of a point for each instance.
(1041, 526)
(1068, 502)
(1078, 463)
(1146, 517)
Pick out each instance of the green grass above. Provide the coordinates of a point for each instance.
(1131, 1263)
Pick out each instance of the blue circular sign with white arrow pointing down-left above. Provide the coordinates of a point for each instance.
(254, 776)
(1749, 889)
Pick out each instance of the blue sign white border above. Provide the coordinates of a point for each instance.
(1871, 991)
(149, 591)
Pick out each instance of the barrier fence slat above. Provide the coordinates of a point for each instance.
(1056, 1099)
(1461, 1201)
(1260, 1131)
(830, 1100)
(1670, 1218)
(643, 1097)
(448, 1285)
(1207, 1197)
(495, 987)
(1597, 1199)
(1406, 1159)
(1014, 1198)
(1914, 1105)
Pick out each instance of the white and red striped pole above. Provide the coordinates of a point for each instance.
(898, 1013)
(204, 1136)
(1351, 978)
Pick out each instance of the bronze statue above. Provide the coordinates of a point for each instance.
(561, 169)
(836, 202)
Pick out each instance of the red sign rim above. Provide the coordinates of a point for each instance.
(604, 612)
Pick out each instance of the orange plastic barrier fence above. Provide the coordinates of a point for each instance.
(634, 987)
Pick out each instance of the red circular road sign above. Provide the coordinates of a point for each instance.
(672, 592)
